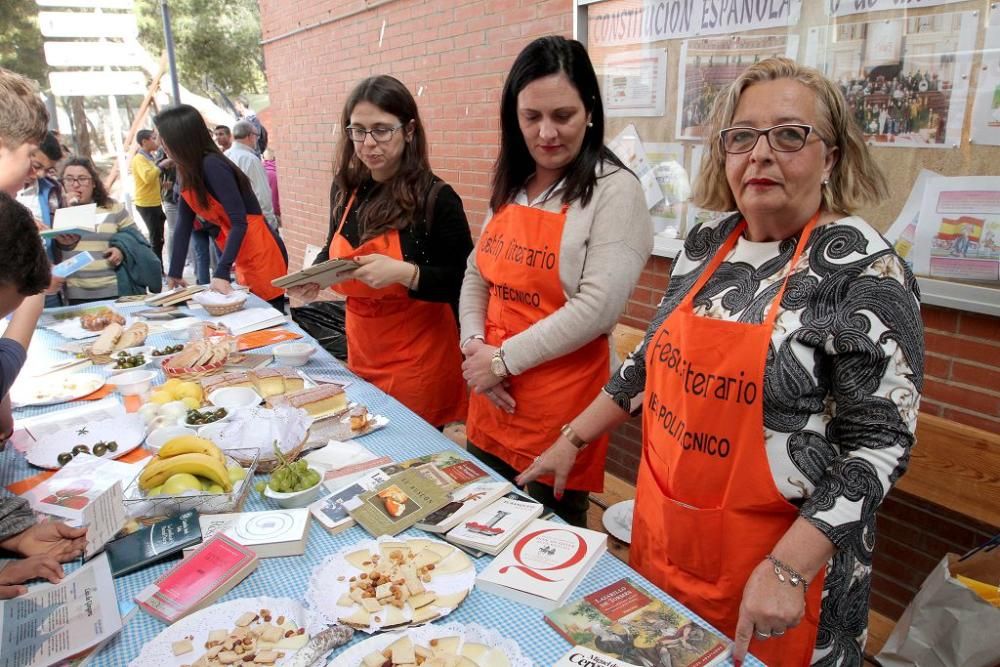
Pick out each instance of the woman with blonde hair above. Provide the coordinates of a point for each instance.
(778, 382)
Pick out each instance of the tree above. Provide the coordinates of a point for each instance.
(216, 42)
(21, 40)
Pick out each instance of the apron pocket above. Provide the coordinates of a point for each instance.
(693, 539)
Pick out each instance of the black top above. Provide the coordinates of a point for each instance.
(440, 252)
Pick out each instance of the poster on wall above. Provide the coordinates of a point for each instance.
(628, 147)
(986, 104)
(696, 215)
(667, 161)
(635, 83)
(848, 7)
(906, 80)
(709, 65)
(903, 232)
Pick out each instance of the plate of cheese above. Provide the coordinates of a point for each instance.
(449, 645)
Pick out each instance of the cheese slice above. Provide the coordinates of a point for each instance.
(418, 544)
(465, 662)
(495, 658)
(425, 614)
(386, 548)
(346, 600)
(442, 550)
(393, 616)
(358, 617)
(453, 564)
(358, 558)
(452, 600)
(446, 645)
(422, 600)
(402, 651)
(371, 605)
(426, 557)
(474, 651)
(373, 659)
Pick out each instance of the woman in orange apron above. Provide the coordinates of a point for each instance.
(214, 189)
(551, 273)
(778, 382)
(408, 232)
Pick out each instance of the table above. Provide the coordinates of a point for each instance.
(406, 436)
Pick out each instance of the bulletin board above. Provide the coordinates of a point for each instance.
(923, 83)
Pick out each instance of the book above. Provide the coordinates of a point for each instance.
(337, 477)
(250, 319)
(458, 470)
(626, 622)
(493, 527)
(463, 502)
(72, 265)
(74, 220)
(175, 296)
(544, 564)
(242, 361)
(196, 582)
(324, 274)
(270, 534)
(396, 504)
(255, 339)
(153, 543)
(581, 655)
(331, 511)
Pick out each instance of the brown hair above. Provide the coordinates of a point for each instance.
(100, 196)
(23, 117)
(855, 178)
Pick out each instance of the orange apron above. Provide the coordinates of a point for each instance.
(406, 347)
(259, 260)
(707, 510)
(518, 257)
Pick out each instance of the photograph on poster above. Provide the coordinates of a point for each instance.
(667, 161)
(708, 65)
(986, 104)
(635, 83)
(905, 80)
(902, 233)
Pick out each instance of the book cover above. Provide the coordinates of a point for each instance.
(255, 339)
(271, 534)
(331, 511)
(544, 564)
(396, 504)
(494, 526)
(79, 483)
(153, 543)
(249, 320)
(458, 469)
(324, 274)
(626, 622)
(581, 655)
(175, 296)
(196, 582)
(72, 265)
(463, 502)
(337, 477)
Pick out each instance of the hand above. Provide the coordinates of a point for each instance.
(307, 292)
(500, 397)
(55, 284)
(67, 241)
(23, 570)
(769, 607)
(165, 163)
(476, 367)
(175, 282)
(114, 256)
(221, 285)
(52, 538)
(557, 460)
(380, 271)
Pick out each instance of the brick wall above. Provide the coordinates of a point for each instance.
(454, 54)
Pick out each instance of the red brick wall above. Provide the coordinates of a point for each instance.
(455, 53)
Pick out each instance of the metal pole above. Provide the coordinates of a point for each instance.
(168, 38)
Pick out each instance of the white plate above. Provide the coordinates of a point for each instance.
(617, 520)
(469, 633)
(330, 580)
(128, 431)
(49, 391)
(159, 651)
(144, 349)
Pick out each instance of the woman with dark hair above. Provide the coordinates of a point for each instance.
(568, 236)
(215, 189)
(407, 230)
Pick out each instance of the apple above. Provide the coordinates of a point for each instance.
(181, 482)
(236, 473)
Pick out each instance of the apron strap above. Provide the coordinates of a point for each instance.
(772, 312)
(347, 209)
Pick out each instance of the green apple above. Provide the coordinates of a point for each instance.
(155, 491)
(214, 488)
(181, 482)
(236, 473)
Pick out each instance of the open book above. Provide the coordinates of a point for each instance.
(324, 274)
(74, 220)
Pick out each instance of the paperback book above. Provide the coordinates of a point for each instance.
(331, 511)
(271, 534)
(397, 504)
(580, 656)
(153, 543)
(463, 502)
(494, 527)
(626, 622)
(324, 274)
(455, 469)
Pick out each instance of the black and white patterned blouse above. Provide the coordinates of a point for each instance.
(842, 385)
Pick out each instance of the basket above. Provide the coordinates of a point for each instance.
(225, 309)
(192, 372)
(267, 466)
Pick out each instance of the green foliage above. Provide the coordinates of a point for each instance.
(21, 40)
(215, 41)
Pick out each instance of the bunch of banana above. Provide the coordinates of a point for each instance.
(186, 454)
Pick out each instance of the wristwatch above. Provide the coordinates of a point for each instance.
(497, 365)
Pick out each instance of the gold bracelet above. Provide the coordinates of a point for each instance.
(793, 578)
(413, 278)
(575, 440)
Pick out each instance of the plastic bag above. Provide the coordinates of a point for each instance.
(324, 321)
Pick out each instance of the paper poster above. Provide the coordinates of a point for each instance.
(903, 232)
(906, 80)
(708, 66)
(635, 83)
(667, 161)
(848, 7)
(628, 147)
(986, 104)
(621, 22)
(958, 234)
(695, 215)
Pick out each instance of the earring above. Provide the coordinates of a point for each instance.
(826, 182)
(590, 123)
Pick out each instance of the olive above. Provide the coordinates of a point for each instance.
(220, 413)
(81, 449)
(64, 458)
(112, 446)
(99, 449)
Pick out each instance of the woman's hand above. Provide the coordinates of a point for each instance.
(221, 285)
(378, 271)
(307, 292)
(557, 461)
(55, 284)
(26, 569)
(769, 608)
(52, 538)
(175, 282)
(476, 367)
(114, 256)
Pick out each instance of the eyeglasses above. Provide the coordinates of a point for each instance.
(379, 134)
(782, 138)
(76, 180)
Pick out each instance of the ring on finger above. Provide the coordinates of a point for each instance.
(777, 633)
(762, 635)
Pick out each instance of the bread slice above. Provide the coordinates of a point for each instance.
(105, 342)
(133, 336)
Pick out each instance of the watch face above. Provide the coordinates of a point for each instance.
(497, 367)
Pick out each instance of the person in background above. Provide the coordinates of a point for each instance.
(244, 112)
(778, 382)
(146, 173)
(125, 263)
(561, 250)
(216, 190)
(408, 232)
(243, 155)
(271, 167)
(223, 137)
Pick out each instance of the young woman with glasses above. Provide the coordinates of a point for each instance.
(408, 232)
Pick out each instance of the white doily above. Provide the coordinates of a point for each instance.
(331, 579)
(213, 298)
(220, 616)
(260, 428)
(469, 633)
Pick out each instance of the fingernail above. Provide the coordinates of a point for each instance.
(559, 496)
(736, 662)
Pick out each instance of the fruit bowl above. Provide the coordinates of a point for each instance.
(296, 498)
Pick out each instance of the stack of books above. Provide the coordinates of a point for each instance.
(493, 527)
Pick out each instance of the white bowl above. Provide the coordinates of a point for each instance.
(234, 398)
(183, 420)
(211, 431)
(298, 499)
(165, 434)
(132, 351)
(293, 354)
(133, 382)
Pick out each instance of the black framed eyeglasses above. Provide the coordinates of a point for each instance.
(379, 134)
(74, 180)
(786, 138)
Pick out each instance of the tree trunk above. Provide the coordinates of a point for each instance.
(80, 126)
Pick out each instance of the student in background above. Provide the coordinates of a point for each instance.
(146, 173)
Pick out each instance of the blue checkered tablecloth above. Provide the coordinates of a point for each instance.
(406, 436)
